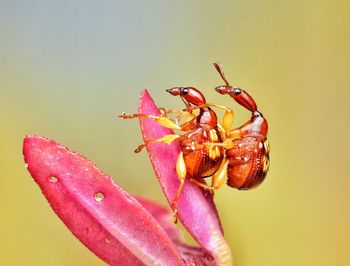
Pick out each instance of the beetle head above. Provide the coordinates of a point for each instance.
(189, 95)
(240, 96)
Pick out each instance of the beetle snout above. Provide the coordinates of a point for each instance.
(222, 89)
(174, 91)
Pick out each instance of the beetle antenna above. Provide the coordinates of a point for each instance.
(220, 69)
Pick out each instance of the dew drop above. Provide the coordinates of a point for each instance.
(107, 240)
(26, 165)
(99, 196)
(53, 179)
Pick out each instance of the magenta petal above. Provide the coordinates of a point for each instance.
(111, 223)
(164, 217)
(196, 210)
(192, 255)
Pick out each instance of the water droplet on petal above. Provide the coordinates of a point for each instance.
(26, 165)
(99, 196)
(53, 179)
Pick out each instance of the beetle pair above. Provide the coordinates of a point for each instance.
(209, 148)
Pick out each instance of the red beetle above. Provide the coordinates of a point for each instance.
(197, 159)
(247, 150)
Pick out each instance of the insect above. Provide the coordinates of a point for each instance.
(196, 160)
(210, 148)
(247, 148)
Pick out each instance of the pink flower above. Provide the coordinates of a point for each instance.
(119, 228)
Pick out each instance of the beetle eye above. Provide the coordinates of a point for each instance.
(184, 91)
(237, 91)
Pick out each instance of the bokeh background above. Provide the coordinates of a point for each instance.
(68, 68)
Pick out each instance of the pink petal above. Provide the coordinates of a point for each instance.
(192, 255)
(196, 210)
(111, 223)
(164, 217)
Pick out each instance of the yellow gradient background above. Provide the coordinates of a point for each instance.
(68, 68)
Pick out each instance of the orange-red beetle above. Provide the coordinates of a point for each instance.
(197, 159)
(248, 151)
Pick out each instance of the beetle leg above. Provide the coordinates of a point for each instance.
(183, 115)
(202, 185)
(235, 134)
(227, 122)
(165, 112)
(167, 139)
(227, 119)
(219, 177)
(181, 173)
(161, 120)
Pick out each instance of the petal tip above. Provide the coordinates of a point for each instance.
(85, 198)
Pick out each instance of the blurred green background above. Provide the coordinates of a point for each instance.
(68, 68)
